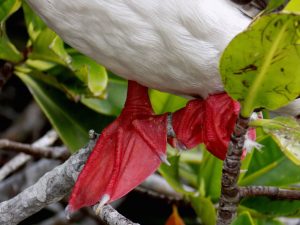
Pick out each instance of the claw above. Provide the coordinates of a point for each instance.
(68, 212)
(104, 199)
(164, 159)
(173, 141)
(170, 130)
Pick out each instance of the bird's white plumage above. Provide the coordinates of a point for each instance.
(170, 45)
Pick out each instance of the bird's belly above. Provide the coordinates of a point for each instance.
(164, 71)
(163, 50)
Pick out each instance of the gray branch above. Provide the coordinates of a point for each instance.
(110, 216)
(231, 170)
(158, 187)
(272, 192)
(13, 185)
(52, 187)
(46, 152)
(21, 159)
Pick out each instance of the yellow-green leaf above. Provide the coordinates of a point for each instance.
(243, 219)
(42, 47)
(261, 66)
(33, 22)
(8, 7)
(204, 209)
(164, 102)
(286, 133)
(293, 6)
(71, 120)
(8, 51)
(57, 46)
(91, 73)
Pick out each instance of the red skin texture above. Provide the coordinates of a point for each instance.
(126, 153)
(129, 149)
(210, 121)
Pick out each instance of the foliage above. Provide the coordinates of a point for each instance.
(286, 132)
(260, 68)
(265, 73)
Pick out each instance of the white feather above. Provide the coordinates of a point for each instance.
(170, 45)
(292, 109)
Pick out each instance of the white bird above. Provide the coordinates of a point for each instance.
(169, 45)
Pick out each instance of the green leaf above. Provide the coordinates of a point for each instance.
(171, 174)
(188, 173)
(286, 132)
(41, 47)
(260, 67)
(274, 4)
(270, 167)
(57, 46)
(72, 121)
(246, 161)
(163, 102)
(243, 219)
(33, 22)
(204, 209)
(57, 76)
(8, 7)
(113, 104)
(97, 80)
(8, 51)
(210, 174)
(64, 79)
(91, 73)
(293, 6)
(271, 207)
(40, 64)
(268, 222)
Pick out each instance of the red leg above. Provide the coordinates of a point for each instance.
(128, 150)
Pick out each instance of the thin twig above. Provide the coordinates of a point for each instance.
(13, 185)
(21, 159)
(158, 187)
(61, 153)
(110, 216)
(231, 169)
(13, 165)
(272, 192)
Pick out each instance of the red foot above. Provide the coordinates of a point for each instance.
(128, 150)
(210, 121)
(132, 147)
